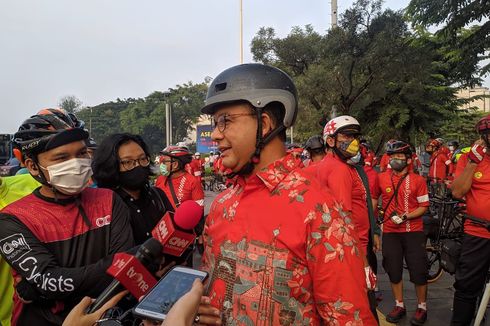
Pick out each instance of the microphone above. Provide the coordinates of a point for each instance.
(129, 272)
(174, 231)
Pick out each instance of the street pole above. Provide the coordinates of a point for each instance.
(241, 31)
(168, 124)
(334, 13)
(90, 123)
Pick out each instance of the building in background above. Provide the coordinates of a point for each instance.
(483, 104)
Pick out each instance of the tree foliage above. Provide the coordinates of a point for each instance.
(464, 26)
(371, 66)
(70, 103)
(146, 116)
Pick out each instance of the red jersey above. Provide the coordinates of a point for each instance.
(196, 167)
(347, 187)
(412, 194)
(385, 161)
(186, 186)
(439, 166)
(478, 197)
(293, 260)
(373, 182)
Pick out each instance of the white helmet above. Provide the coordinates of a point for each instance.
(344, 123)
(197, 154)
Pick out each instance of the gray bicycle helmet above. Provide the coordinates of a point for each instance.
(257, 84)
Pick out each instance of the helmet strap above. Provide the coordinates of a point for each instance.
(41, 178)
(260, 143)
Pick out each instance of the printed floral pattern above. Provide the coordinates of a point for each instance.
(281, 252)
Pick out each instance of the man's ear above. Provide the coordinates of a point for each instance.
(267, 124)
(31, 166)
(330, 142)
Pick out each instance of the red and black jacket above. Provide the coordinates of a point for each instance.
(62, 247)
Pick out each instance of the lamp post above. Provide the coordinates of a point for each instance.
(241, 31)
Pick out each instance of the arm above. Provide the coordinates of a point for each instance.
(464, 177)
(419, 211)
(37, 265)
(197, 192)
(121, 237)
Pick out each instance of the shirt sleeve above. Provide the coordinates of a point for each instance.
(463, 160)
(121, 237)
(335, 263)
(197, 192)
(422, 193)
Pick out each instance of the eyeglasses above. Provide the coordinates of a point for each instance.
(222, 121)
(131, 164)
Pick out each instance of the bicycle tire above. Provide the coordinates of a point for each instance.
(434, 268)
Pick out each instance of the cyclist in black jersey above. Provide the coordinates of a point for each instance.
(60, 239)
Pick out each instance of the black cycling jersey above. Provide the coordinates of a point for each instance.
(62, 247)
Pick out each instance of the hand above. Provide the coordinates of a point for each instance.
(477, 153)
(208, 315)
(78, 317)
(184, 310)
(26, 291)
(396, 219)
(376, 243)
(370, 278)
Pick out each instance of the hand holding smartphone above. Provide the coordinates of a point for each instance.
(158, 302)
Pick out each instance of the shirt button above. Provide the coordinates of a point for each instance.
(138, 211)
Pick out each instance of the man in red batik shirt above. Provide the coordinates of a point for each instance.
(278, 249)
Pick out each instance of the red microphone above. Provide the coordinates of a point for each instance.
(174, 231)
(131, 274)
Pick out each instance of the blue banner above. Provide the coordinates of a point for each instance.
(204, 144)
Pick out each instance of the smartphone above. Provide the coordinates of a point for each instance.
(177, 282)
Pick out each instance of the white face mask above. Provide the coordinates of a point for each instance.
(70, 177)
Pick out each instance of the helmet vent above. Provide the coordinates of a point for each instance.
(220, 87)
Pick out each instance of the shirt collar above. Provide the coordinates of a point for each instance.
(275, 172)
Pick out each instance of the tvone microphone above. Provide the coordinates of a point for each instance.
(174, 231)
(129, 273)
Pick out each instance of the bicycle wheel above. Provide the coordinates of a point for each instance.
(434, 268)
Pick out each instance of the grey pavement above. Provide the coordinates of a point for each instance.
(439, 297)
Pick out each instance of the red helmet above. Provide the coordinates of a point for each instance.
(436, 143)
(399, 147)
(483, 125)
(180, 153)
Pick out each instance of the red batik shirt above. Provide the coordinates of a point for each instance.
(478, 197)
(186, 186)
(412, 194)
(280, 252)
(347, 188)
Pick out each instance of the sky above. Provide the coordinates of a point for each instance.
(101, 50)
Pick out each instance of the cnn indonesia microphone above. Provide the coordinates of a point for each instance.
(174, 231)
(129, 273)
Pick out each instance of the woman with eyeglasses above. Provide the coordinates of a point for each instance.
(122, 163)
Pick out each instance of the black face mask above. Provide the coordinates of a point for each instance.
(134, 179)
(398, 164)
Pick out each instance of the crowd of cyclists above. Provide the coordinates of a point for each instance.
(291, 237)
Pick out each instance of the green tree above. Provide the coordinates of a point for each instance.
(464, 25)
(371, 66)
(70, 103)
